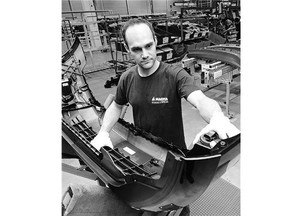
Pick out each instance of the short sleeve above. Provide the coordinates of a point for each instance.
(120, 97)
(185, 84)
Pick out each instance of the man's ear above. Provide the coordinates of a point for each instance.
(155, 38)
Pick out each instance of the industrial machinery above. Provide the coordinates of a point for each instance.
(144, 170)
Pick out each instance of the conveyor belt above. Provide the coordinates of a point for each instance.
(219, 55)
(226, 46)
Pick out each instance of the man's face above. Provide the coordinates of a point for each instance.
(141, 45)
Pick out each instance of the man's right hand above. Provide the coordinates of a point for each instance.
(102, 139)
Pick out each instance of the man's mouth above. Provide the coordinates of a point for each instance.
(146, 61)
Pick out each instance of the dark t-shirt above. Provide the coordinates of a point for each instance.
(156, 100)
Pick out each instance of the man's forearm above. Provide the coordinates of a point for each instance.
(206, 106)
(111, 116)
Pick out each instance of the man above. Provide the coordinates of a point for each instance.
(154, 89)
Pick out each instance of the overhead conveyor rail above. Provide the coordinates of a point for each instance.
(219, 55)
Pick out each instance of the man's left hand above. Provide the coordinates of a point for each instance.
(221, 125)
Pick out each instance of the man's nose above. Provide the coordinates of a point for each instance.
(144, 53)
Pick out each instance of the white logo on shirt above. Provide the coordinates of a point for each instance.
(159, 100)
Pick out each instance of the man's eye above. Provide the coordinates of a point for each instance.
(148, 45)
(136, 50)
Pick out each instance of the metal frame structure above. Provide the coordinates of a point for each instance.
(229, 54)
(89, 36)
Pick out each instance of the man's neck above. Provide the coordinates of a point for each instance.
(144, 73)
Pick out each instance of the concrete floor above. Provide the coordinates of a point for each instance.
(193, 123)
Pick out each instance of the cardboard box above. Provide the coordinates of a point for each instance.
(216, 39)
(200, 45)
(191, 46)
(159, 54)
(167, 53)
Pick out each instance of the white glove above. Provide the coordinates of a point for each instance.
(102, 139)
(221, 125)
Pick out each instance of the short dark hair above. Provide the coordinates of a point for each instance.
(135, 21)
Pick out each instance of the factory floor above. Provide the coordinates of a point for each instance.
(97, 74)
